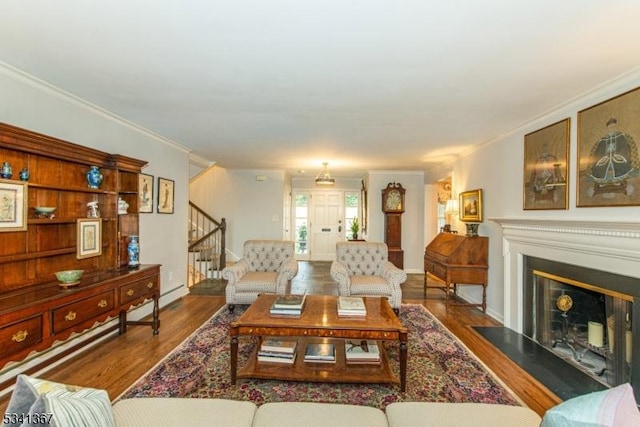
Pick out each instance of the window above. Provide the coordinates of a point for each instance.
(351, 209)
(301, 222)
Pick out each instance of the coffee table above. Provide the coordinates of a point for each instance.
(319, 322)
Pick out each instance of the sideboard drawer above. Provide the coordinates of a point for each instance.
(73, 314)
(141, 289)
(18, 336)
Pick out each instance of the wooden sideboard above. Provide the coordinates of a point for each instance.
(35, 311)
(34, 318)
(455, 260)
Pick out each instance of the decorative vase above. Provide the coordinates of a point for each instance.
(133, 250)
(94, 177)
(6, 170)
(123, 206)
(24, 174)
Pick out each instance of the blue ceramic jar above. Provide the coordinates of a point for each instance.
(94, 177)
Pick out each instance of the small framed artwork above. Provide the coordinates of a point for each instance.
(608, 160)
(165, 195)
(470, 209)
(89, 241)
(145, 193)
(13, 205)
(546, 163)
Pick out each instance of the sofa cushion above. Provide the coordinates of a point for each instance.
(614, 407)
(164, 411)
(64, 405)
(309, 414)
(407, 414)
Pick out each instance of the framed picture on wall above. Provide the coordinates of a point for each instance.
(470, 208)
(608, 162)
(89, 240)
(13, 205)
(165, 195)
(145, 193)
(546, 167)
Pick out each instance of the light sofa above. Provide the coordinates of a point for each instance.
(141, 412)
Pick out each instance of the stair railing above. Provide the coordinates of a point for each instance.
(207, 245)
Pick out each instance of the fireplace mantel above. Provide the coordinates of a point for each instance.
(612, 246)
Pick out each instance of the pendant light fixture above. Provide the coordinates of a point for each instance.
(324, 177)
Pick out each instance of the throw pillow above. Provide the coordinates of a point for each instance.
(40, 402)
(615, 407)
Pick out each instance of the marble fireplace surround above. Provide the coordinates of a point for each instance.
(600, 245)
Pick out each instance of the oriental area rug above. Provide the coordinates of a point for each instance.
(440, 369)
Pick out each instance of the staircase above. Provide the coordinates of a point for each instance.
(207, 249)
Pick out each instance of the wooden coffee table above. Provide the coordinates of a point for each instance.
(319, 322)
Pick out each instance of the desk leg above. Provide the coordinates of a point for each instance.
(403, 362)
(234, 355)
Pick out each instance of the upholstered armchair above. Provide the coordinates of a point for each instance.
(266, 267)
(363, 269)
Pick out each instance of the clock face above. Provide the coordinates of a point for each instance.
(394, 201)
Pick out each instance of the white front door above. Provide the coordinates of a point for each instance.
(326, 224)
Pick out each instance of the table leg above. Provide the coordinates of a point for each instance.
(403, 362)
(234, 357)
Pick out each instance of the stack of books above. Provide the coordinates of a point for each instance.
(288, 305)
(278, 351)
(362, 352)
(320, 352)
(351, 306)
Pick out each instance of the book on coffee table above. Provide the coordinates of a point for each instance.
(278, 346)
(361, 351)
(320, 352)
(351, 306)
(288, 305)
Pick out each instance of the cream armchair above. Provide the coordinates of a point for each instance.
(363, 269)
(266, 267)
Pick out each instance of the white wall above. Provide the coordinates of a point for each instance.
(497, 168)
(252, 208)
(33, 105)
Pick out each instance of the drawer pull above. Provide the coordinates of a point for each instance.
(20, 336)
(130, 292)
(102, 303)
(70, 316)
(150, 285)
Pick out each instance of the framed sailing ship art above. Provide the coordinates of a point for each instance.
(546, 164)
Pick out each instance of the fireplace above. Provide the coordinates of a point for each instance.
(582, 315)
(596, 264)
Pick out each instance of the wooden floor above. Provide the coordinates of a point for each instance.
(118, 362)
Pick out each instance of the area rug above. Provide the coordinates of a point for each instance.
(440, 369)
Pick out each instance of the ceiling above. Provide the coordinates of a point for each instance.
(289, 84)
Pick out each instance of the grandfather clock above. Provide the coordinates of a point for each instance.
(393, 208)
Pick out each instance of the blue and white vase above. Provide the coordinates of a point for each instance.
(133, 250)
(24, 174)
(94, 177)
(6, 171)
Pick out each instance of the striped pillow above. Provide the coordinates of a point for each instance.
(63, 405)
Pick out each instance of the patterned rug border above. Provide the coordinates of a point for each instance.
(187, 373)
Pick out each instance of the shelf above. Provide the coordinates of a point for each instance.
(36, 255)
(72, 189)
(338, 372)
(52, 221)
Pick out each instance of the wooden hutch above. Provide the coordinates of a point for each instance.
(455, 260)
(35, 311)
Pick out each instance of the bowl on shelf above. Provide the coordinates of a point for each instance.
(45, 211)
(69, 277)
